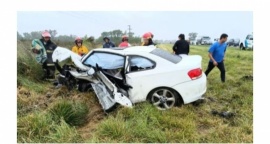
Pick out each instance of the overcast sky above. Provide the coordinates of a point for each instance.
(164, 25)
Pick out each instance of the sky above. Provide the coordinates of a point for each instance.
(165, 25)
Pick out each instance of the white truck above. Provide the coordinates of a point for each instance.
(246, 43)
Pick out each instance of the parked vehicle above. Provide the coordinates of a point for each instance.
(140, 73)
(247, 42)
(233, 42)
(236, 42)
(204, 40)
(230, 42)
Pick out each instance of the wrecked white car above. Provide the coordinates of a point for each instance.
(136, 74)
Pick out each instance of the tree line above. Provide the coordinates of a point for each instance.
(114, 35)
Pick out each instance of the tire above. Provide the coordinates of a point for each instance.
(164, 98)
(242, 47)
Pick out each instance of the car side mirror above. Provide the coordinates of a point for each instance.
(91, 71)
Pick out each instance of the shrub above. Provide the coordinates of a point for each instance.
(74, 113)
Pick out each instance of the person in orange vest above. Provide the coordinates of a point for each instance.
(124, 42)
(79, 48)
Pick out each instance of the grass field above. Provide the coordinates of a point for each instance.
(46, 114)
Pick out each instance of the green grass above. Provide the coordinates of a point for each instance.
(144, 123)
(73, 113)
(39, 127)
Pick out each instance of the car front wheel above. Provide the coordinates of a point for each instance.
(242, 47)
(164, 98)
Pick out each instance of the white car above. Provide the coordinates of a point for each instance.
(140, 73)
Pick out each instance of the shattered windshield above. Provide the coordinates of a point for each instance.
(105, 60)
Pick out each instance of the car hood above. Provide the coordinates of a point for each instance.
(60, 54)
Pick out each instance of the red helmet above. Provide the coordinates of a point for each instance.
(78, 39)
(46, 34)
(124, 38)
(147, 36)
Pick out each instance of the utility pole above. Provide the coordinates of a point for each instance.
(129, 29)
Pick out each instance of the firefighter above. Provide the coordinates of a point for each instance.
(79, 48)
(43, 48)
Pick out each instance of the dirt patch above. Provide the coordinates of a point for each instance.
(94, 118)
(203, 130)
(23, 92)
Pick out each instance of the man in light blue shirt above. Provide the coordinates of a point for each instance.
(216, 55)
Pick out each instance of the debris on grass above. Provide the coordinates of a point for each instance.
(247, 77)
(224, 114)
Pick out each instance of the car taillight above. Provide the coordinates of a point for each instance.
(195, 73)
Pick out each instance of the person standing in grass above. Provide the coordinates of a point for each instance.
(152, 36)
(217, 56)
(43, 48)
(108, 43)
(181, 47)
(147, 40)
(79, 48)
(124, 42)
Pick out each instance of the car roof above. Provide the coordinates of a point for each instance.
(133, 49)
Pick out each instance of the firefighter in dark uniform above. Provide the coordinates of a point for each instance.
(44, 54)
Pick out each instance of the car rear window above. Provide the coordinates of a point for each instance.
(166, 55)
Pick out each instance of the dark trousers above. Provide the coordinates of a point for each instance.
(221, 68)
(49, 70)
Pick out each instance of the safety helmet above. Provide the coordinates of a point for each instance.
(124, 38)
(46, 34)
(147, 36)
(78, 39)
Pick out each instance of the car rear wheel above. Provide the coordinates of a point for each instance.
(164, 98)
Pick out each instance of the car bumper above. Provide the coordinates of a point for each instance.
(192, 90)
(250, 46)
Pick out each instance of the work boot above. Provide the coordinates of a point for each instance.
(58, 86)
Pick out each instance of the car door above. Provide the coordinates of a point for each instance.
(137, 72)
(106, 91)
